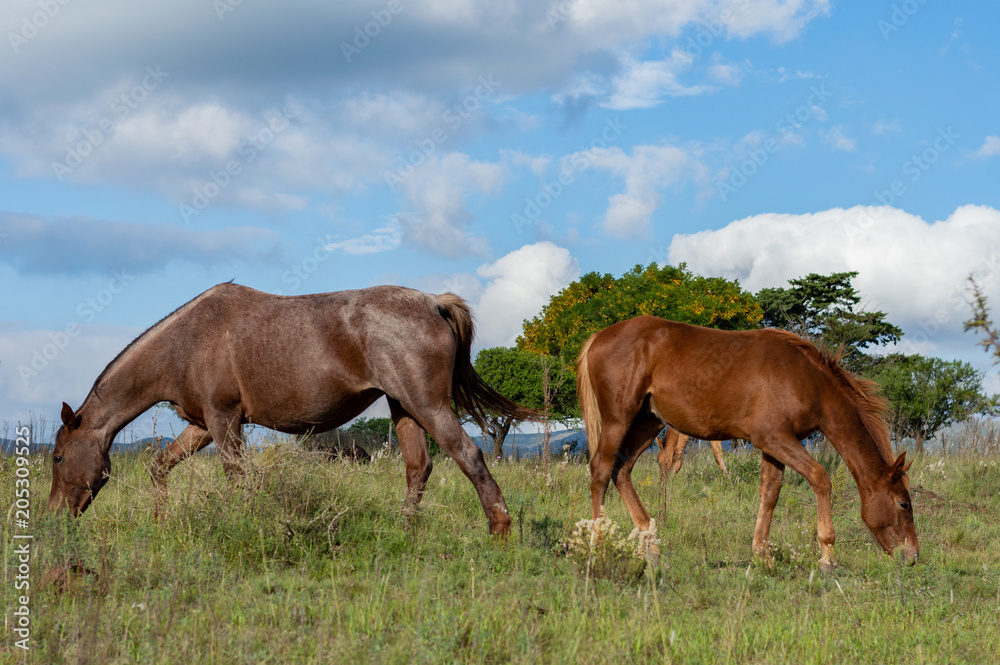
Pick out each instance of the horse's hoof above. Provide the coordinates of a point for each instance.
(827, 566)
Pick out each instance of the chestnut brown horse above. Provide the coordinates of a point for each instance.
(296, 364)
(769, 386)
(672, 445)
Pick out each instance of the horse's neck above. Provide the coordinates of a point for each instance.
(121, 396)
(857, 448)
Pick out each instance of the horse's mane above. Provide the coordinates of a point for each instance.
(142, 336)
(864, 394)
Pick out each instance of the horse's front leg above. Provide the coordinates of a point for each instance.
(795, 456)
(227, 431)
(187, 443)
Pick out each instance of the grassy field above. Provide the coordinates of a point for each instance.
(312, 561)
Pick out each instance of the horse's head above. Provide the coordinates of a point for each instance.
(888, 512)
(80, 466)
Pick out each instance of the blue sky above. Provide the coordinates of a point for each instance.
(497, 150)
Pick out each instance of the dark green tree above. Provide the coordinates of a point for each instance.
(827, 310)
(927, 394)
(520, 376)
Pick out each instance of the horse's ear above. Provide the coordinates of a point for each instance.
(69, 419)
(900, 466)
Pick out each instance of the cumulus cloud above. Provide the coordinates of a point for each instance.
(517, 286)
(646, 172)
(82, 245)
(915, 271)
(509, 290)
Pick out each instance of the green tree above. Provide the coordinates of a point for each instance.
(927, 394)
(521, 377)
(825, 308)
(597, 301)
(377, 430)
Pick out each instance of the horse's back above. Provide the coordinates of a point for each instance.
(298, 358)
(709, 383)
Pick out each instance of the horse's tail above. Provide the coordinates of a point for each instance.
(469, 391)
(588, 400)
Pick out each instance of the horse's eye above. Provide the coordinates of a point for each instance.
(57, 459)
(904, 505)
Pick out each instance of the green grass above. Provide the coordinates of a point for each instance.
(311, 561)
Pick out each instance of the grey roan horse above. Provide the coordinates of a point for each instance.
(295, 364)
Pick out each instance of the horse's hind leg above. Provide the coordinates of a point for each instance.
(638, 438)
(602, 463)
(444, 427)
(678, 452)
(187, 443)
(666, 457)
(414, 448)
(771, 473)
(717, 452)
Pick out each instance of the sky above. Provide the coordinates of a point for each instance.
(496, 150)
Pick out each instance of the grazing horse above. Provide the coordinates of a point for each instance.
(296, 364)
(769, 386)
(672, 445)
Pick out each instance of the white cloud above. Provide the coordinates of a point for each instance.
(726, 73)
(357, 116)
(537, 164)
(892, 126)
(836, 137)
(644, 84)
(437, 190)
(914, 270)
(989, 148)
(383, 239)
(509, 290)
(646, 172)
(785, 20)
(517, 286)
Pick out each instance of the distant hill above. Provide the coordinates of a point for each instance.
(7, 446)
